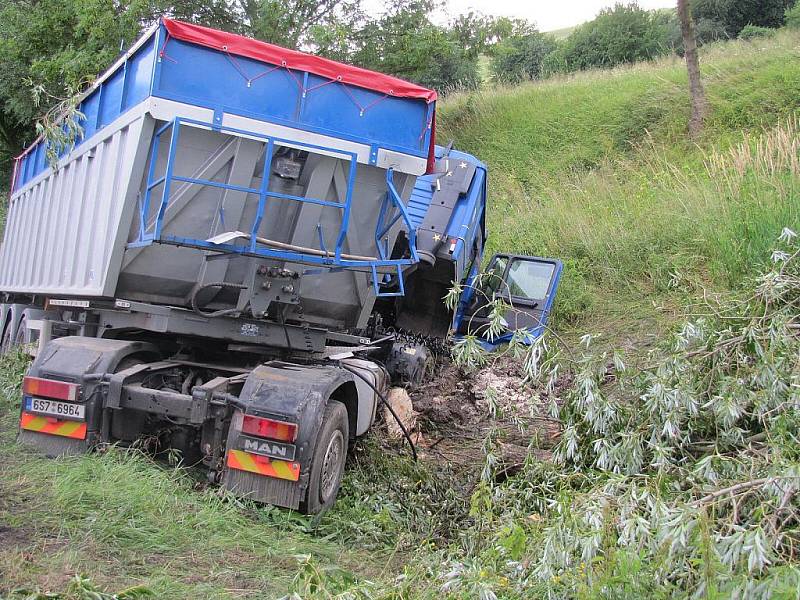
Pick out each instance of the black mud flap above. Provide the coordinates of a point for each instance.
(261, 488)
(291, 393)
(52, 445)
(84, 361)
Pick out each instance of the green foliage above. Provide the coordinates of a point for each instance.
(81, 588)
(735, 15)
(521, 58)
(404, 42)
(301, 22)
(752, 32)
(57, 47)
(623, 34)
(676, 478)
(793, 17)
(388, 500)
(61, 126)
(596, 171)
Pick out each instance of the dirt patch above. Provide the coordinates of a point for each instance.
(457, 412)
(13, 537)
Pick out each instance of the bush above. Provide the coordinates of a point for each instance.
(624, 34)
(752, 32)
(792, 17)
(521, 58)
(735, 15)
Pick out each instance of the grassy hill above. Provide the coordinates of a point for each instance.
(594, 169)
(563, 33)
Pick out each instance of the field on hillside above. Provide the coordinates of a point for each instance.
(677, 471)
(596, 169)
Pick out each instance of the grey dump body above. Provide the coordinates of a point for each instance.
(68, 234)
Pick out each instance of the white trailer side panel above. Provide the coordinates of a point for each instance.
(66, 230)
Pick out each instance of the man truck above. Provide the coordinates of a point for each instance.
(242, 249)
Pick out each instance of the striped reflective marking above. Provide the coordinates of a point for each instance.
(252, 463)
(52, 426)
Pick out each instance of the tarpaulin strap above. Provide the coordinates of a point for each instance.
(290, 72)
(17, 161)
(163, 52)
(52, 426)
(319, 85)
(253, 463)
(249, 80)
(303, 90)
(363, 109)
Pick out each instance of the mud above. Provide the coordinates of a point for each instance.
(457, 412)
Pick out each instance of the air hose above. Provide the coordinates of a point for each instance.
(387, 405)
(216, 313)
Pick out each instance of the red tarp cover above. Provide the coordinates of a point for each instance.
(293, 59)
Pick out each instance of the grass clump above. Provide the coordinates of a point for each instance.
(388, 501)
(81, 588)
(754, 32)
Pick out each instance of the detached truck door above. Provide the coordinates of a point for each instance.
(528, 284)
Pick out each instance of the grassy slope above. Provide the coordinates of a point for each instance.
(563, 33)
(596, 169)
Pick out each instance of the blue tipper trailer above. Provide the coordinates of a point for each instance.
(244, 248)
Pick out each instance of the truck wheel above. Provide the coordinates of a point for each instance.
(327, 465)
(9, 344)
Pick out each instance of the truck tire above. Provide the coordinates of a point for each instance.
(327, 464)
(9, 344)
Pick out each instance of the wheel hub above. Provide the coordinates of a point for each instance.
(331, 465)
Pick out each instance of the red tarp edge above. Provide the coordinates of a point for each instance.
(294, 59)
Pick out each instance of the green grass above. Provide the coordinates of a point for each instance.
(596, 169)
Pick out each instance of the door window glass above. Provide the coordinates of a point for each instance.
(493, 279)
(529, 280)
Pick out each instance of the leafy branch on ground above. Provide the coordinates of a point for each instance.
(81, 588)
(678, 476)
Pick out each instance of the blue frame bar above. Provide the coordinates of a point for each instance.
(332, 259)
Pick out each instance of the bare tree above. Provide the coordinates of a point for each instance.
(698, 94)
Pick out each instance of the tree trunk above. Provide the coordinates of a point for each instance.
(698, 95)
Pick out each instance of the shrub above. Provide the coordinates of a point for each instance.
(624, 34)
(735, 15)
(520, 58)
(752, 32)
(792, 17)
